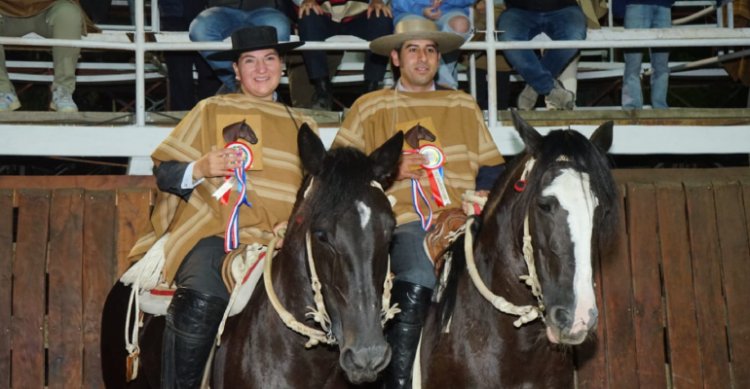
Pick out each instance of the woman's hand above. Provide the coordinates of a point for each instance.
(217, 163)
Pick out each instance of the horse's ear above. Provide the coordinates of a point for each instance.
(602, 137)
(311, 149)
(529, 134)
(385, 158)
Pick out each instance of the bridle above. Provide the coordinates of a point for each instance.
(319, 314)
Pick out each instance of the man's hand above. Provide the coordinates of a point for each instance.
(279, 230)
(307, 6)
(410, 166)
(379, 8)
(217, 163)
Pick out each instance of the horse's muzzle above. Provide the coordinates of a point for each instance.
(364, 364)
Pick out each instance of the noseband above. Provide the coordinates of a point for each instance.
(319, 314)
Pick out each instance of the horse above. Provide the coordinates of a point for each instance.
(337, 240)
(547, 215)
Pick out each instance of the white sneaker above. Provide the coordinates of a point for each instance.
(62, 101)
(560, 98)
(527, 98)
(9, 102)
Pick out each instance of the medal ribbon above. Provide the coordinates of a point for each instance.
(434, 168)
(232, 229)
(416, 194)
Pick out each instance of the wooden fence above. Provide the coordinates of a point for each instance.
(675, 293)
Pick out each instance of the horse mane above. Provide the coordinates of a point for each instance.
(346, 175)
(581, 155)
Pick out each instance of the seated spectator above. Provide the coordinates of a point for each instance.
(646, 14)
(449, 16)
(184, 93)
(558, 19)
(320, 20)
(58, 19)
(225, 16)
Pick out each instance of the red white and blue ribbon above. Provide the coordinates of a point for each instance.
(416, 194)
(239, 175)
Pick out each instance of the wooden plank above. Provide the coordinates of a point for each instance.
(682, 333)
(648, 316)
(735, 254)
(27, 337)
(133, 210)
(591, 357)
(680, 175)
(618, 315)
(6, 260)
(709, 299)
(65, 315)
(85, 182)
(99, 269)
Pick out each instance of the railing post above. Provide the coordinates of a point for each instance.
(491, 65)
(140, 79)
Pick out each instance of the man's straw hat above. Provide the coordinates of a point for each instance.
(413, 29)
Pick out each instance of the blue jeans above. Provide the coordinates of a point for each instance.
(516, 24)
(315, 27)
(409, 261)
(217, 23)
(646, 16)
(448, 69)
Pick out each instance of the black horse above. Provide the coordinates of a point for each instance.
(554, 207)
(338, 232)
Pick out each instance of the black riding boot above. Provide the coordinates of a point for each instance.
(192, 321)
(323, 96)
(402, 333)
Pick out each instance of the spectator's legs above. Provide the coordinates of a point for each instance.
(568, 23)
(459, 23)
(217, 23)
(317, 28)
(63, 21)
(660, 61)
(520, 25)
(636, 16)
(370, 29)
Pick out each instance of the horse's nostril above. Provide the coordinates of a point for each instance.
(370, 358)
(561, 317)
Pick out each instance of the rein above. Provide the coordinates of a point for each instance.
(319, 314)
(526, 313)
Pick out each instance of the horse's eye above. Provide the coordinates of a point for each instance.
(544, 206)
(321, 236)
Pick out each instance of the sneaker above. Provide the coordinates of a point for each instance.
(62, 101)
(527, 99)
(9, 102)
(560, 98)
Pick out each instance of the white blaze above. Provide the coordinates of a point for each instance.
(364, 214)
(573, 191)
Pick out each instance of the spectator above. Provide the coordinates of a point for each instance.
(193, 223)
(58, 19)
(646, 14)
(560, 20)
(176, 15)
(225, 16)
(320, 20)
(462, 160)
(449, 16)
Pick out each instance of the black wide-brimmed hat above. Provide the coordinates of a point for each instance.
(251, 39)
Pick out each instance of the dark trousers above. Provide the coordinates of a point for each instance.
(184, 92)
(320, 27)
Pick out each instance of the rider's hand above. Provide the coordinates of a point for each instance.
(217, 163)
(410, 166)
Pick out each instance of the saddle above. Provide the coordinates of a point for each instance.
(445, 230)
